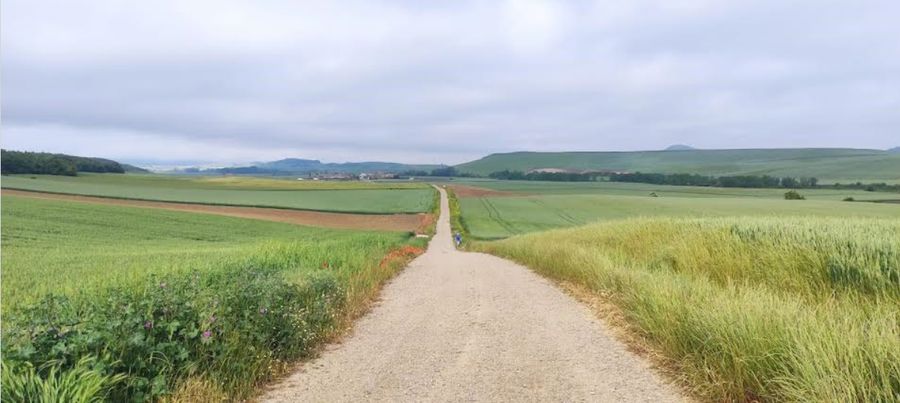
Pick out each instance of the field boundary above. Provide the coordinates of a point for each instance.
(417, 222)
(17, 189)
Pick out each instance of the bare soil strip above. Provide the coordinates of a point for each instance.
(457, 326)
(386, 222)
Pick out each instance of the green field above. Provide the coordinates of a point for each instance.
(124, 285)
(499, 217)
(357, 197)
(829, 165)
(744, 309)
(644, 189)
(539, 206)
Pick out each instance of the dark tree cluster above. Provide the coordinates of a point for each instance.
(23, 162)
(444, 171)
(545, 176)
(869, 187)
(741, 181)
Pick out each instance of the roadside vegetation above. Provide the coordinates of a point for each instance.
(347, 197)
(741, 308)
(129, 304)
(457, 225)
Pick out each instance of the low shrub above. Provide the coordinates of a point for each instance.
(793, 195)
(230, 326)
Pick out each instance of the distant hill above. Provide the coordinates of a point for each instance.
(822, 163)
(679, 147)
(894, 150)
(24, 162)
(134, 169)
(304, 165)
(299, 166)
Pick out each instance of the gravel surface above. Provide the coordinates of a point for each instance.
(457, 326)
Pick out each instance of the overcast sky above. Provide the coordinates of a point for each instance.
(428, 81)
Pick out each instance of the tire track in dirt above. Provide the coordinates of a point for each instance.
(494, 213)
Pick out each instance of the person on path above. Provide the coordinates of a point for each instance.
(458, 239)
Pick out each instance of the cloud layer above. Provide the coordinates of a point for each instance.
(234, 81)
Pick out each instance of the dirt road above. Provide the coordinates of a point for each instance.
(458, 326)
(384, 222)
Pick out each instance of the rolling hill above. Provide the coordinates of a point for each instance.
(679, 147)
(306, 165)
(298, 166)
(828, 164)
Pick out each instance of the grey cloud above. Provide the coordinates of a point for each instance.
(446, 81)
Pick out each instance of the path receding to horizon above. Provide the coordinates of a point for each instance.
(460, 326)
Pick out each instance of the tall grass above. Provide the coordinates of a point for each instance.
(23, 382)
(772, 309)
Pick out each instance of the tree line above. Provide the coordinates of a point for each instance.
(545, 176)
(444, 171)
(868, 187)
(24, 162)
(738, 181)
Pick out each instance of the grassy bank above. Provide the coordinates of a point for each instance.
(773, 309)
(139, 304)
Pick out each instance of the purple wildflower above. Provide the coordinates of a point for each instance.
(207, 334)
(148, 325)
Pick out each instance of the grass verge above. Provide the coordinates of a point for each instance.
(457, 224)
(745, 309)
(163, 302)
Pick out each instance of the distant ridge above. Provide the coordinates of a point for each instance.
(828, 164)
(292, 166)
(134, 169)
(679, 147)
(306, 165)
(894, 150)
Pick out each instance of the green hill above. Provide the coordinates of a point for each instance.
(24, 162)
(828, 164)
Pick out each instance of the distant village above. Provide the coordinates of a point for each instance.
(348, 176)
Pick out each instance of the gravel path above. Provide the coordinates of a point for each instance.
(457, 326)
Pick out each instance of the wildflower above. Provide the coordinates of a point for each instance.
(206, 335)
(263, 311)
(212, 319)
(325, 264)
(162, 285)
(148, 325)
